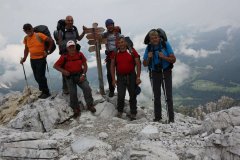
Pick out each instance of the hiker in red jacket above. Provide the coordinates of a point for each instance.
(124, 64)
(74, 67)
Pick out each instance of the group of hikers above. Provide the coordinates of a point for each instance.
(122, 61)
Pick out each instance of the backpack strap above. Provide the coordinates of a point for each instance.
(132, 55)
(39, 38)
(131, 52)
(150, 48)
(117, 36)
(65, 30)
(115, 58)
(116, 33)
(66, 60)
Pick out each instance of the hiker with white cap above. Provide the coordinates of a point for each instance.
(73, 66)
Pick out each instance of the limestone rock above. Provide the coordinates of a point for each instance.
(83, 144)
(149, 132)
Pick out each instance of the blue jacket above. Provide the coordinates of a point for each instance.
(156, 60)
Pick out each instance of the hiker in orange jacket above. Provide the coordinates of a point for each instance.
(34, 44)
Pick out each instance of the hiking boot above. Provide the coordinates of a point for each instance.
(119, 115)
(44, 95)
(77, 112)
(133, 117)
(160, 120)
(157, 119)
(111, 94)
(92, 109)
(65, 91)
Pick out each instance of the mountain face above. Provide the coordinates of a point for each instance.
(32, 128)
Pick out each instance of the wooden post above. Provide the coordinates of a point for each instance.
(94, 39)
(99, 63)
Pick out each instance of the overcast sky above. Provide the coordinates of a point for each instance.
(135, 17)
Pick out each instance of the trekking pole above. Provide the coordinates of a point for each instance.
(150, 77)
(151, 81)
(25, 78)
(49, 76)
(165, 94)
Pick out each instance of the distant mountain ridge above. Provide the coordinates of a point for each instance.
(219, 72)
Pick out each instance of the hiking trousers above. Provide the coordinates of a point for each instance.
(72, 83)
(64, 84)
(109, 76)
(127, 82)
(157, 82)
(39, 70)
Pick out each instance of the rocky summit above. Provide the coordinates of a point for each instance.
(31, 128)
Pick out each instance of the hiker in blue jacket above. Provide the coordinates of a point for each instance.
(159, 57)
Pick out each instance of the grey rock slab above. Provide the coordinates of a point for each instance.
(34, 144)
(29, 153)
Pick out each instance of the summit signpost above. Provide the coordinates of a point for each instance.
(95, 40)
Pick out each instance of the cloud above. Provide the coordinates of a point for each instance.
(181, 72)
(10, 58)
(185, 49)
(138, 16)
(2, 41)
(146, 89)
(138, 41)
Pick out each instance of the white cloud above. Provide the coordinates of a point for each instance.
(2, 41)
(10, 58)
(181, 72)
(135, 16)
(138, 41)
(184, 48)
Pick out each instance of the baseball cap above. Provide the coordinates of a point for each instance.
(109, 22)
(70, 43)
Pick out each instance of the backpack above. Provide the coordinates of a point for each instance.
(117, 29)
(61, 27)
(163, 40)
(44, 29)
(129, 43)
(161, 33)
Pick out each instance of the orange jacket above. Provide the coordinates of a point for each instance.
(35, 46)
